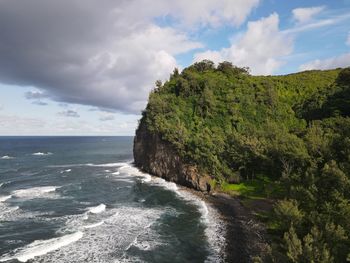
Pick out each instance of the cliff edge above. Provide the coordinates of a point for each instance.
(157, 157)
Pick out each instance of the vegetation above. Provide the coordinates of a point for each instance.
(254, 133)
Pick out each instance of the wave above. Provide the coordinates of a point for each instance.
(7, 212)
(107, 164)
(133, 171)
(89, 165)
(42, 153)
(107, 242)
(4, 198)
(97, 209)
(42, 247)
(209, 216)
(94, 225)
(6, 157)
(34, 192)
(66, 171)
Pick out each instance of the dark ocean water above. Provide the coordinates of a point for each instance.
(79, 199)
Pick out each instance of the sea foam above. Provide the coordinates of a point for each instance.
(6, 157)
(42, 247)
(94, 225)
(42, 153)
(209, 216)
(4, 198)
(97, 209)
(34, 192)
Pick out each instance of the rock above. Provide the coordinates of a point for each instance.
(158, 157)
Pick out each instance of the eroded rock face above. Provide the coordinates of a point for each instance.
(157, 157)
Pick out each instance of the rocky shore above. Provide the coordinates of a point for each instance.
(245, 237)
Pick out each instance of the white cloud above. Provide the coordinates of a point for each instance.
(195, 12)
(262, 47)
(107, 53)
(303, 15)
(341, 61)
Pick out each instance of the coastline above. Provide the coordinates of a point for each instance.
(244, 235)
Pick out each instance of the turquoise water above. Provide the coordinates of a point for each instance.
(79, 199)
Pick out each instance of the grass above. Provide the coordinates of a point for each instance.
(261, 187)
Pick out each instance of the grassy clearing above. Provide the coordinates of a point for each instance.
(259, 188)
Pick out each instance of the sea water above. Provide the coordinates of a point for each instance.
(80, 199)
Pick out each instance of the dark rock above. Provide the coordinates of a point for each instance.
(158, 157)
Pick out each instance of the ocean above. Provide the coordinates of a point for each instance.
(79, 199)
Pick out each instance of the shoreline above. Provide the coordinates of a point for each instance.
(244, 236)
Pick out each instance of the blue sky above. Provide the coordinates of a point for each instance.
(91, 72)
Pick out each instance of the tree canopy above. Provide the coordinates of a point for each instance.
(295, 129)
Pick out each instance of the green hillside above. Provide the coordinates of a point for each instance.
(287, 137)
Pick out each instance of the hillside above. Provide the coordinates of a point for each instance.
(285, 137)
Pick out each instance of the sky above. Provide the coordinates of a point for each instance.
(86, 67)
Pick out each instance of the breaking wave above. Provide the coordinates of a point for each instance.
(42, 247)
(42, 153)
(35, 192)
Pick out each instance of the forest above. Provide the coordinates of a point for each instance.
(289, 134)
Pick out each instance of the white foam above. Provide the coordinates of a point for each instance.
(34, 192)
(204, 211)
(42, 247)
(6, 157)
(209, 216)
(66, 171)
(116, 173)
(107, 243)
(214, 226)
(95, 225)
(4, 198)
(42, 153)
(106, 164)
(132, 171)
(7, 212)
(147, 178)
(97, 209)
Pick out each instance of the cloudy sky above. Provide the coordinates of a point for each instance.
(86, 67)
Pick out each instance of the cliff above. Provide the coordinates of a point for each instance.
(285, 138)
(157, 157)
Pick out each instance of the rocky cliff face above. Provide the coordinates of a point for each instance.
(157, 157)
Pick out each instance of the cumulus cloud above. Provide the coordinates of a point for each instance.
(195, 12)
(262, 47)
(303, 15)
(102, 53)
(341, 61)
(69, 113)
